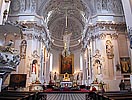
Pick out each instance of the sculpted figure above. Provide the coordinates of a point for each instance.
(109, 49)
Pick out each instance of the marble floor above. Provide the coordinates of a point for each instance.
(66, 96)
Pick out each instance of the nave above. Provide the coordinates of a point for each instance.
(21, 95)
(64, 45)
(71, 95)
(66, 96)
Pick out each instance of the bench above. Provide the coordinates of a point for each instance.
(112, 95)
(17, 95)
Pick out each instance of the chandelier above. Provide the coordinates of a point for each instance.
(66, 40)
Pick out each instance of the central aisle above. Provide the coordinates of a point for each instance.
(66, 96)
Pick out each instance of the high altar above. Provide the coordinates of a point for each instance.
(66, 81)
(66, 77)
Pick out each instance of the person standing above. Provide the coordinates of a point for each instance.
(122, 85)
(55, 77)
(77, 76)
(50, 76)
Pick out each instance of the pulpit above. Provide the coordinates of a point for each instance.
(66, 77)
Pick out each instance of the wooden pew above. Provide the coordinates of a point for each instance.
(120, 96)
(17, 95)
(115, 95)
(11, 98)
(30, 94)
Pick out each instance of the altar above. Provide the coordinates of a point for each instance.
(66, 77)
(66, 81)
(66, 84)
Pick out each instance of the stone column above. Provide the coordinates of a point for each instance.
(84, 71)
(51, 62)
(44, 64)
(87, 67)
(116, 57)
(41, 67)
(90, 65)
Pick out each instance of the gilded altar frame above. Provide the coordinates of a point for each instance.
(125, 64)
(66, 64)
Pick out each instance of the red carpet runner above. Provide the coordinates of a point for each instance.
(81, 90)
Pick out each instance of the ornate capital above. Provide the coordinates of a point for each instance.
(102, 36)
(29, 36)
(114, 36)
(97, 54)
(35, 54)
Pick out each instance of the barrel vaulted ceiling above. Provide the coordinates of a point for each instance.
(79, 13)
(54, 13)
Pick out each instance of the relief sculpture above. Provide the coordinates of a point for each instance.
(23, 48)
(109, 49)
(114, 6)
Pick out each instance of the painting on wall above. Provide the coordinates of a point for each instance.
(67, 64)
(18, 80)
(125, 65)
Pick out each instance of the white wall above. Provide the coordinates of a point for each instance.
(56, 60)
(127, 11)
(76, 60)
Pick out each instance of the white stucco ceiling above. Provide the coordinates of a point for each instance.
(54, 13)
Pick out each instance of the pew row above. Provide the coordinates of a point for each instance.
(18, 95)
(111, 95)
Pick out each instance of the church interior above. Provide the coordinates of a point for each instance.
(80, 48)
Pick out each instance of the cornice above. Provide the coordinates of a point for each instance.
(110, 25)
